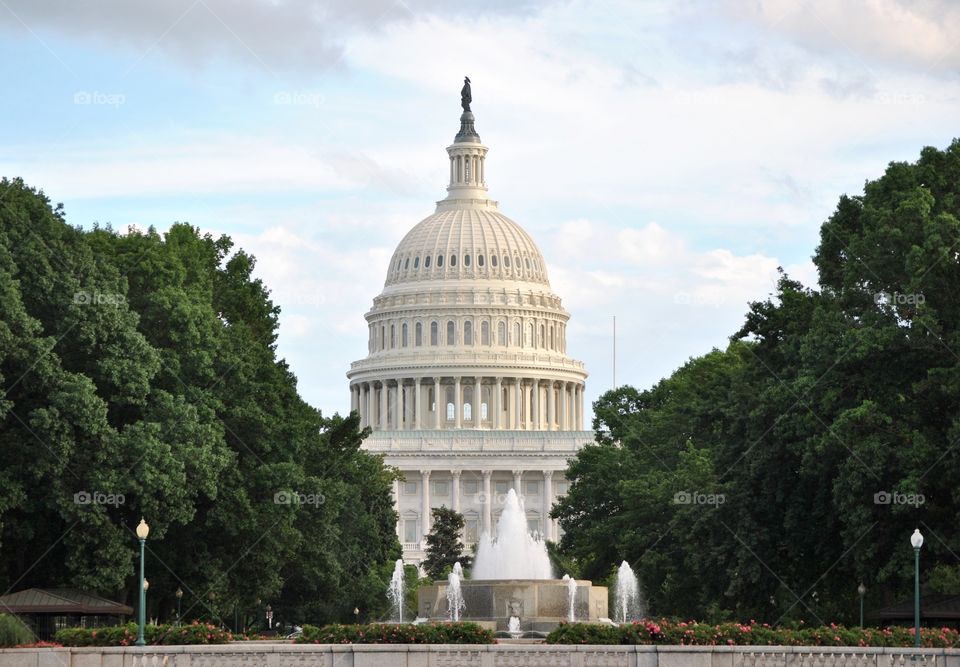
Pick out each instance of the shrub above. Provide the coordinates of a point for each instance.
(14, 632)
(665, 631)
(126, 635)
(397, 633)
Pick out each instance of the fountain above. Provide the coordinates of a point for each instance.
(396, 590)
(455, 603)
(628, 605)
(511, 588)
(571, 597)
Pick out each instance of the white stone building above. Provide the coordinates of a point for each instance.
(467, 385)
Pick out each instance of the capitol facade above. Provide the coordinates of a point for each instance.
(467, 385)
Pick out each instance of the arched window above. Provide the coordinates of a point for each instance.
(479, 260)
(516, 334)
(528, 342)
(393, 336)
(526, 262)
(451, 412)
(484, 333)
(383, 337)
(403, 335)
(416, 262)
(501, 334)
(467, 412)
(439, 261)
(542, 341)
(551, 338)
(483, 411)
(466, 260)
(516, 263)
(453, 260)
(418, 335)
(451, 333)
(434, 333)
(493, 259)
(406, 264)
(426, 262)
(468, 333)
(506, 262)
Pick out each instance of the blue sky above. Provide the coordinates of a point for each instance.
(666, 156)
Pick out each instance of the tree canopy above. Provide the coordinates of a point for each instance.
(444, 547)
(140, 379)
(769, 479)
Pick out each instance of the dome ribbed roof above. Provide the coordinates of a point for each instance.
(472, 242)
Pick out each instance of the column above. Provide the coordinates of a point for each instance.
(362, 404)
(552, 407)
(416, 404)
(517, 481)
(354, 399)
(548, 532)
(517, 403)
(535, 406)
(578, 405)
(563, 406)
(457, 402)
(476, 413)
(436, 403)
(384, 392)
(425, 503)
(398, 406)
(487, 503)
(371, 406)
(455, 489)
(395, 492)
(497, 408)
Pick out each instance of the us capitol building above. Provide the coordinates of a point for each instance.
(467, 385)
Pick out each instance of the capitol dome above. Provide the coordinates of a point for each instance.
(467, 316)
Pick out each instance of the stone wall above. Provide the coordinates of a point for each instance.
(500, 655)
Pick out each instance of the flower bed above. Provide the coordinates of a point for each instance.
(126, 635)
(397, 633)
(665, 631)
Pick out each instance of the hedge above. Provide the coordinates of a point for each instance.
(665, 631)
(126, 635)
(14, 632)
(397, 633)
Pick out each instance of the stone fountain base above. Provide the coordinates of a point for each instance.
(540, 604)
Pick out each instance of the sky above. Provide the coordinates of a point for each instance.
(667, 157)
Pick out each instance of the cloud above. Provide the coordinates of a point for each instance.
(301, 35)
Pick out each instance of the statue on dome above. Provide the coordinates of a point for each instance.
(465, 97)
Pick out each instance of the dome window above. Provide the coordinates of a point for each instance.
(516, 263)
(406, 264)
(453, 260)
(451, 333)
(493, 259)
(416, 262)
(479, 260)
(526, 263)
(426, 262)
(506, 262)
(466, 260)
(418, 334)
(434, 333)
(439, 261)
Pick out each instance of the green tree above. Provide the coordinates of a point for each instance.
(444, 547)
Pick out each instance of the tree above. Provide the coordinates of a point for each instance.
(444, 547)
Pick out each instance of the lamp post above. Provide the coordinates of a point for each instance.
(179, 595)
(142, 531)
(862, 590)
(269, 616)
(916, 541)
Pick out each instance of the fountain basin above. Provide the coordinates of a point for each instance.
(540, 604)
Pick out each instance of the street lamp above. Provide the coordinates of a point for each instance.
(142, 531)
(862, 590)
(179, 595)
(916, 541)
(269, 616)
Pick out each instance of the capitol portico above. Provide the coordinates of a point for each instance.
(467, 386)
